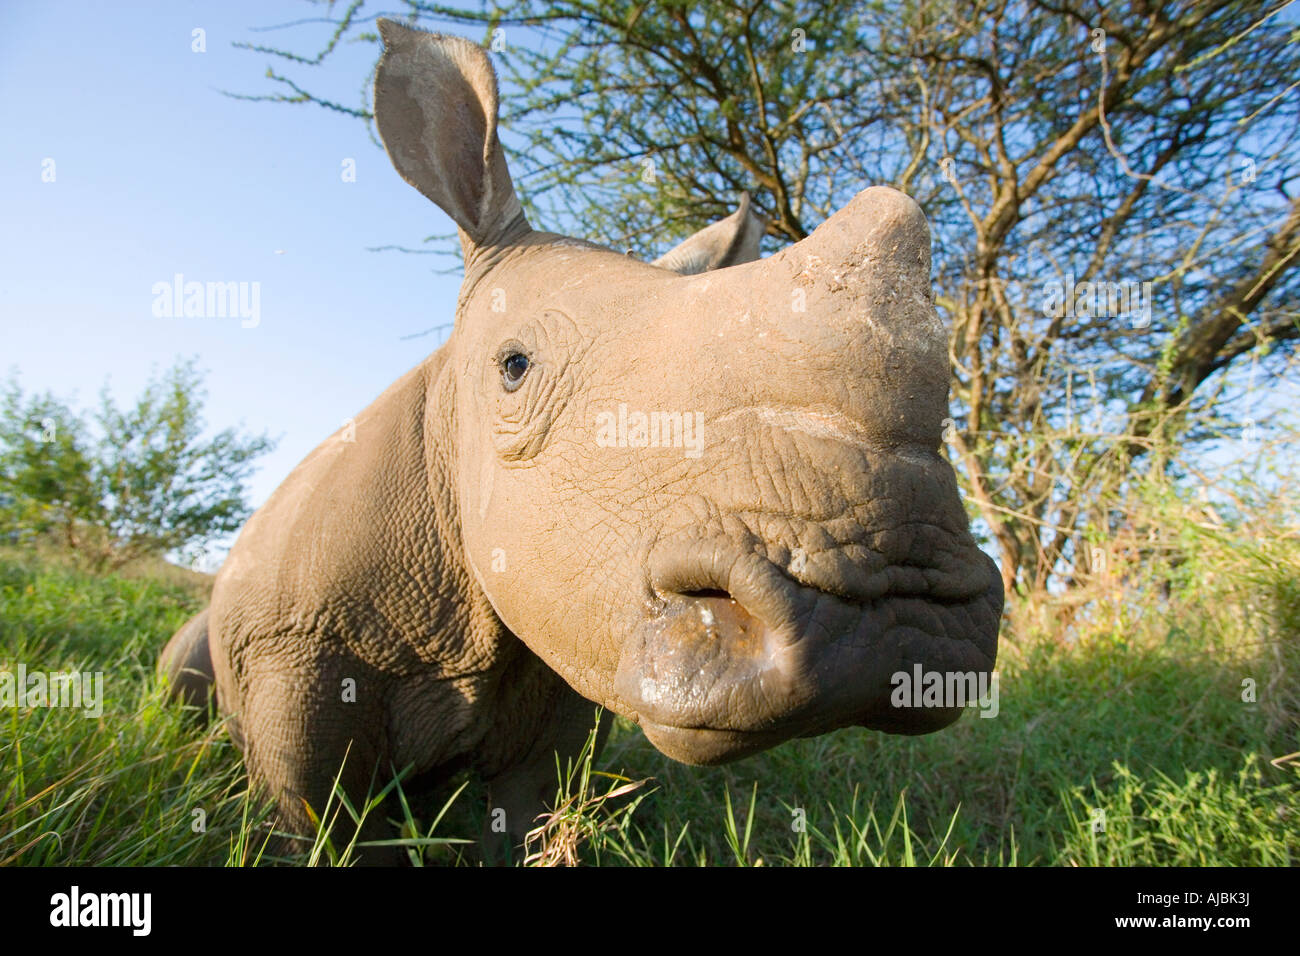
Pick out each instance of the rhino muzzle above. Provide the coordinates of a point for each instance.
(736, 655)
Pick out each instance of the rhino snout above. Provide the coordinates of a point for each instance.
(737, 656)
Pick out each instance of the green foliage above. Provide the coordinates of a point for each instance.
(46, 482)
(142, 480)
(120, 790)
(1168, 702)
(1203, 818)
(586, 824)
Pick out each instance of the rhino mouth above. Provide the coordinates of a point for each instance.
(736, 655)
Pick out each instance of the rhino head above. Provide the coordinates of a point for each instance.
(708, 491)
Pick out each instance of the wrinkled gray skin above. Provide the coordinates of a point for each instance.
(484, 566)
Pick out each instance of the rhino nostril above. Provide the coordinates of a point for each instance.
(717, 611)
(708, 593)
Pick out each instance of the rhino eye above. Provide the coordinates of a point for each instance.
(513, 369)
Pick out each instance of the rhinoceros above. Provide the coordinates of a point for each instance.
(706, 493)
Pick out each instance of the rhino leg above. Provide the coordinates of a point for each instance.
(305, 728)
(186, 662)
(522, 793)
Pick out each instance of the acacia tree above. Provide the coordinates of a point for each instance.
(138, 481)
(46, 488)
(1068, 154)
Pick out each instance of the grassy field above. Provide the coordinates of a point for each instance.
(1127, 735)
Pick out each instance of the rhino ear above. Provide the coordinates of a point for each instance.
(727, 242)
(436, 109)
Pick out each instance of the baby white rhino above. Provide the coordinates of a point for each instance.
(706, 493)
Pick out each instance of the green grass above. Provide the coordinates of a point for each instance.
(1139, 717)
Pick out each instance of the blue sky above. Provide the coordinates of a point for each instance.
(157, 173)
